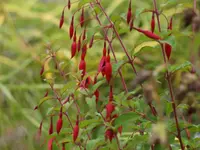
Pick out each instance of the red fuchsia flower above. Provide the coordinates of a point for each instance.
(108, 69)
(85, 83)
(109, 110)
(76, 131)
(149, 34)
(168, 49)
(153, 22)
(63, 146)
(109, 134)
(102, 63)
(73, 46)
(82, 17)
(82, 66)
(69, 4)
(51, 126)
(129, 13)
(71, 28)
(96, 93)
(50, 144)
(61, 20)
(59, 122)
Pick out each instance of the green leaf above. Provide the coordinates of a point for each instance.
(126, 118)
(97, 85)
(116, 66)
(183, 66)
(45, 99)
(183, 106)
(91, 103)
(85, 123)
(170, 40)
(138, 48)
(94, 144)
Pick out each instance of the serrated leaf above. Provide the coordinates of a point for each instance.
(138, 48)
(183, 66)
(125, 118)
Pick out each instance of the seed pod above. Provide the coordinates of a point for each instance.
(129, 13)
(51, 126)
(82, 17)
(108, 69)
(82, 66)
(168, 49)
(73, 49)
(76, 131)
(149, 34)
(59, 125)
(153, 23)
(71, 28)
(61, 19)
(91, 41)
(50, 144)
(69, 4)
(109, 134)
(109, 109)
(79, 43)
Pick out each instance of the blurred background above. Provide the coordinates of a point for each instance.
(28, 26)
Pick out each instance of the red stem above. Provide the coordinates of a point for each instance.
(169, 83)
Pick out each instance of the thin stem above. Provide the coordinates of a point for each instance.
(111, 47)
(169, 83)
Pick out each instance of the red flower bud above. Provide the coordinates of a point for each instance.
(120, 130)
(168, 50)
(96, 93)
(82, 17)
(152, 23)
(170, 24)
(63, 146)
(42, 70)
(50, 144)
(46, 94)
(59, 125)
(51, 126)
(69, 4)
(129, 13)
(149, 34)
(73, 49)
(108, 69)
(91, 41)
(71, 28)
(109, 134)
(76, 131)
(82, 66)
(109, 109)
(61, 19)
